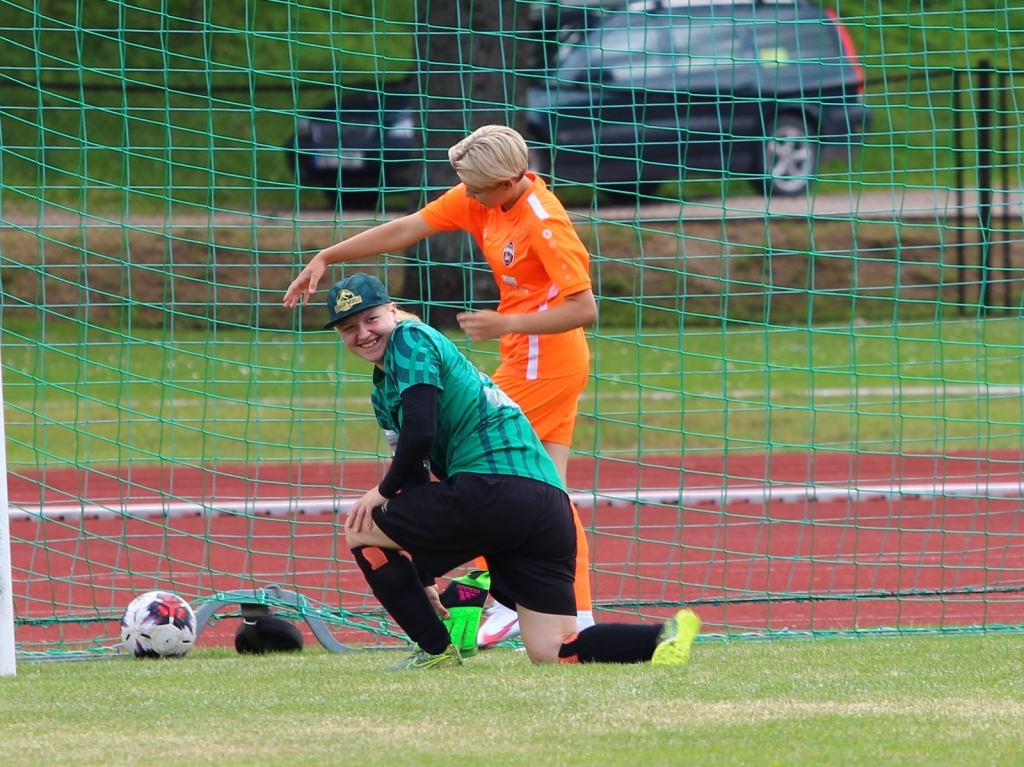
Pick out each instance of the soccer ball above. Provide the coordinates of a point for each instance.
(158, 624)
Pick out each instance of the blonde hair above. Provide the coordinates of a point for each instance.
(489, 155)
(401, 315)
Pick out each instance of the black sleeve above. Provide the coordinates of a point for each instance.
(426, 579)
(416, 437)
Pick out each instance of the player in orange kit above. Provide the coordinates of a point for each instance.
(542, 271)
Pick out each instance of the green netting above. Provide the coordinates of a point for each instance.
(804, 414)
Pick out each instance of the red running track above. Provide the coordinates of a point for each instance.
(910, 561)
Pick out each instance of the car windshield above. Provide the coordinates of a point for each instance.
(710, 42)
(801, 38)
(639, 48)
(627, 48)
(652, 49)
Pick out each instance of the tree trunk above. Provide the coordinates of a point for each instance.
(470, 55)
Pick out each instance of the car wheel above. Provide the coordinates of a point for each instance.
(789, 157)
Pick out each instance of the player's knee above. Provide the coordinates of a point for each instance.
(369, 537)
(540, 653)
(545, 646)
(550, 648)
(355, 540)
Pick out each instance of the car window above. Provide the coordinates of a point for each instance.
(784, 35)
(631, 49)
(718, 46)
(713, 52)
(709, 42)
(580, 51)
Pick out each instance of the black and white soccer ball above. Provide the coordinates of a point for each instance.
(158, 624)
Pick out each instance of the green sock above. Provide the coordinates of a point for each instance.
(464, 597)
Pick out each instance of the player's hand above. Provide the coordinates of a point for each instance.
(483, 326)
(360, 516)
(435, 602)
(304, 285)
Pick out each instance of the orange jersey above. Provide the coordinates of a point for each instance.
(537, 259)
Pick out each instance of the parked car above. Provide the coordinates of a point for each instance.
(640, 96)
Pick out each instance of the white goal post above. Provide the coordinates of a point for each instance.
(8, 664)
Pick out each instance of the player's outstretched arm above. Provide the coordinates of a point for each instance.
(577, 311)
(391, 236)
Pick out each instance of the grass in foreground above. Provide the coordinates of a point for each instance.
(923, 700)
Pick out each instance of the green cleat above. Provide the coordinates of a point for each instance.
(676, 638)
(422, 659)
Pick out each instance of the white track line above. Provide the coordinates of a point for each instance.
(859, 392)
(713, 496)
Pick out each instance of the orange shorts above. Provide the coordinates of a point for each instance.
(550, 404)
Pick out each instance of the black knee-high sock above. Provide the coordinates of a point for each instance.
(395, 582)
(611, 643)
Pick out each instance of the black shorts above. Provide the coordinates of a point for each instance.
(522, 526)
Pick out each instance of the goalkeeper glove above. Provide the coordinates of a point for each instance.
(464, 597)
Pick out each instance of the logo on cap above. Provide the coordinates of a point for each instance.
(346, 300)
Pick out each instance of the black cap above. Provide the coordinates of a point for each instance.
(354, 294)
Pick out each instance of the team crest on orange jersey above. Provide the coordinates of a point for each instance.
(508, 255)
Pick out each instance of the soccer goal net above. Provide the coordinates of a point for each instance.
(804, 411)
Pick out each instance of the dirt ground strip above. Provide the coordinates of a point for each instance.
(784, 270)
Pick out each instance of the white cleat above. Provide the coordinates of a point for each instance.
(499, 624)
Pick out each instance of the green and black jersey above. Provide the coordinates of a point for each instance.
(479, 429)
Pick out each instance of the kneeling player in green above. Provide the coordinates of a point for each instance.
(499, 496)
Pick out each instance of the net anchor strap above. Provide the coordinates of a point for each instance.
(256, 602)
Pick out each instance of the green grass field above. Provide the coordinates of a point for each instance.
(91, 395)
(922, 701)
